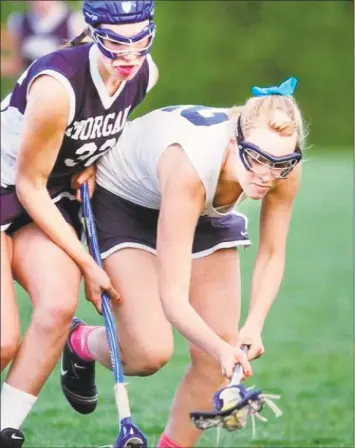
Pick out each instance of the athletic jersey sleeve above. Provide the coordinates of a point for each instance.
(56, 66)
(203, 145)
(130, 169)
(141, 81)
(153, 73)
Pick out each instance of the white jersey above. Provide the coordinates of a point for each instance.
(129, 170)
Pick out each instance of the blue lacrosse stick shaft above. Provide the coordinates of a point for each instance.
(106, 309)
(130, 434)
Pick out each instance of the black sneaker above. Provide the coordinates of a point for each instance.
(11, 438)
(77, 377)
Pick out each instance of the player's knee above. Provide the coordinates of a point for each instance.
(150, 359)
(55, 315)
(8, 347)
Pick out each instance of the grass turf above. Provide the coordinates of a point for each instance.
(308, 338)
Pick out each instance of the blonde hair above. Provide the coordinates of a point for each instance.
(279, 113)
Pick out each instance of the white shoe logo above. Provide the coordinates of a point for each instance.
(62, 371)
(13, 436)
(78, 366)
(244, 233)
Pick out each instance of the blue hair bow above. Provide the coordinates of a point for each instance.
(286, 88)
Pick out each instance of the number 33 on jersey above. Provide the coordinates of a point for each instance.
(96, 120)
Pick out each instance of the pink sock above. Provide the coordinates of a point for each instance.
(166, 442)
(79, 342)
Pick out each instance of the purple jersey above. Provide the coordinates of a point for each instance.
(95, 122)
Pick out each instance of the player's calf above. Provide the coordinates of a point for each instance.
(8, 349)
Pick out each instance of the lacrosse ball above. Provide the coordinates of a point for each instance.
(226, 398)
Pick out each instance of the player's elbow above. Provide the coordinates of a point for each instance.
(26, 182)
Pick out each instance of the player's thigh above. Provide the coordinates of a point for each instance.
(10, 325)
(215, 292)
(48, 274)
(142, 326)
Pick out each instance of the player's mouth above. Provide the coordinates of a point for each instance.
(125, 70)
(261, 188)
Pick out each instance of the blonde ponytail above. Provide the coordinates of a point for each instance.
(280, 113)
(281, 123)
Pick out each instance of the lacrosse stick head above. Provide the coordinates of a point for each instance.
(231, 408)
(130, 436)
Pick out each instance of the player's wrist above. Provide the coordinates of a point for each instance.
(85, 262)
(254, 321)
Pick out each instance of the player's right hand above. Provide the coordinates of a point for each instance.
(229, 357)
(86, 176)
(96, 282)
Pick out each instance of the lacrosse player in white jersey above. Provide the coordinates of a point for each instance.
(166, 211)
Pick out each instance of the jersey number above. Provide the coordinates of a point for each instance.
(200, 115)
(89, 153)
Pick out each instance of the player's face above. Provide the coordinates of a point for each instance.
(260, 179)
(127, 63)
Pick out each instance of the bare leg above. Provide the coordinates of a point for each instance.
(10, 325)
(52, 280)
(215, 294)
(145, 335)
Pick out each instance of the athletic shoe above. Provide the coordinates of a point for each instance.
(77, 377)
(11, 438)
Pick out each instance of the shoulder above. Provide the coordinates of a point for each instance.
(148, 74)
(174, 168)
(67, 66)
(69, 60)
(144, 81)
(285, 191)
(153, 73)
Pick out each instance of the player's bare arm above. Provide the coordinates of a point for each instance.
(269, 266)
(45, 123)
(41, 139)
(183, 197)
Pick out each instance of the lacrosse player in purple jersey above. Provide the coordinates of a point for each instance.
(168, 190)
(68, 109)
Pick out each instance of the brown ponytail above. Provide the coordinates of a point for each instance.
(81, 39)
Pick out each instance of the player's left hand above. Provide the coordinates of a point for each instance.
(251, 335)
(88, 175)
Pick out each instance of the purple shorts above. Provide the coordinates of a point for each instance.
(122, 224)
(14, 216)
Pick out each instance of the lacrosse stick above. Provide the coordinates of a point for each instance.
(233, 405)
(130, 435)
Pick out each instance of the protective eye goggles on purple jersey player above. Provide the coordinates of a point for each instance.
(131, 45)
(261, 162)
(97, 13)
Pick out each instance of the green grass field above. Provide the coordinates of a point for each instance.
(308, 338)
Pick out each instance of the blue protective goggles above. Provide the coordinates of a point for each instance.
(260, 162)
(125, 45)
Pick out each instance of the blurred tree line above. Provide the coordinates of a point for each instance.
(212, 52)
